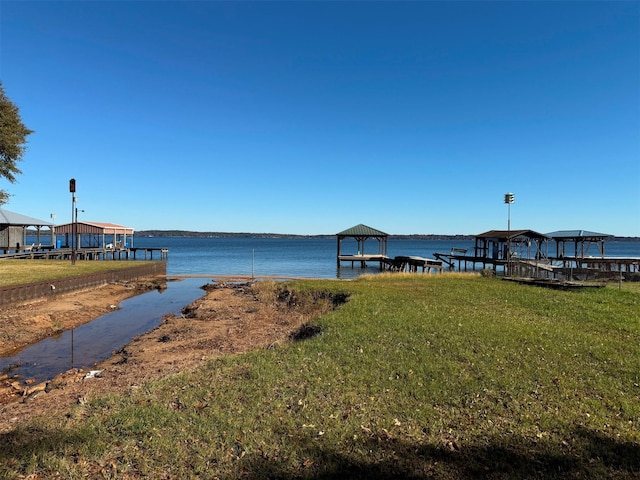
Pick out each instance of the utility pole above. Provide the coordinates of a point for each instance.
(53, 230)
(72, 189)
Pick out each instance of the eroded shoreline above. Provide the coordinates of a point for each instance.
(232, 317)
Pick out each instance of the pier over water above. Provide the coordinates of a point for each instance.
(89, 253)
(578, 254)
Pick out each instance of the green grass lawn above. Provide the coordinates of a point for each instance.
(448, 376)
(17, 272)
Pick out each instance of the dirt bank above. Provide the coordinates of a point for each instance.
(230, 318)
(24, 323)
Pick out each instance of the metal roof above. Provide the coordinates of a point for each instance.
(361, 230)
(506, 234)
(577, 235)
(11, 218)
(100, 228)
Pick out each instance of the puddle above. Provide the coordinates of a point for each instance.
(96, 341)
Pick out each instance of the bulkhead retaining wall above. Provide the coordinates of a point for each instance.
(16, 293)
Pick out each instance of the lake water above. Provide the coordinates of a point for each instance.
(303, 257)
(288, 257)
(306, 257)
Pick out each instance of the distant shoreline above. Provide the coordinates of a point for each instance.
(416, 236)
(190, 234)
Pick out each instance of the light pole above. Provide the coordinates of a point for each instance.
(78, 242)
(72, 189)
(53, 230)
(508, 199)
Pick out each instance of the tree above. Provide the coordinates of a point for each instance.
(13, 137)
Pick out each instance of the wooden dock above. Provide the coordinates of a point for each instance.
(396, 264)
(603, 264)
(584, 267)
(414, 264)
(132, 253)
(363, 260)
(555, 284)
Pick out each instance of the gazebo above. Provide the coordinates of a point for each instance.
(361, 233)
(582, 241)
(13, 230)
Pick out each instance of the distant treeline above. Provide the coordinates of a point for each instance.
(187, 234)
(417, 236)
(191, 234)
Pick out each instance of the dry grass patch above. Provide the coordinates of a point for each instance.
(18, 272)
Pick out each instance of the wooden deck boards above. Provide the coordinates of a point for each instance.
(397, 264)
(134, 253)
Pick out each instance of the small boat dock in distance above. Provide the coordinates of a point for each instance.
(361, 233)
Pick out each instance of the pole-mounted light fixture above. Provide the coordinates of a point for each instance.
(72, 189)
(508, 199)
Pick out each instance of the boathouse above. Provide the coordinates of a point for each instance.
(510, 244)
(511, 250)
(96, 235)
(13, 230)
(581, 254)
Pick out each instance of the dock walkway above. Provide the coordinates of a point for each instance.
(567, 266)
(396, 264)
(131, 253)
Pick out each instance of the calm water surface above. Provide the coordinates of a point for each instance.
(96, 341)
(289, 257)
(303, 257)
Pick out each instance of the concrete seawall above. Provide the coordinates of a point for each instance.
(51, 288)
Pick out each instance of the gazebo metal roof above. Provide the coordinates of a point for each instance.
(361, 230)
(99, 228)
(577, 235)
(510, 234)
(16, 219)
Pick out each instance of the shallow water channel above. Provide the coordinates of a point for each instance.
(96, 341)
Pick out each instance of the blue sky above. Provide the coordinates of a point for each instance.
(312, 117)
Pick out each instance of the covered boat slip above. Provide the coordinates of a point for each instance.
(584, 251)
(13, 231)
(104, 241)
(95, 235)
(524, 250)
(82, 240)
(525, 253)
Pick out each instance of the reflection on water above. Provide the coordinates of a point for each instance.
(97, 340)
